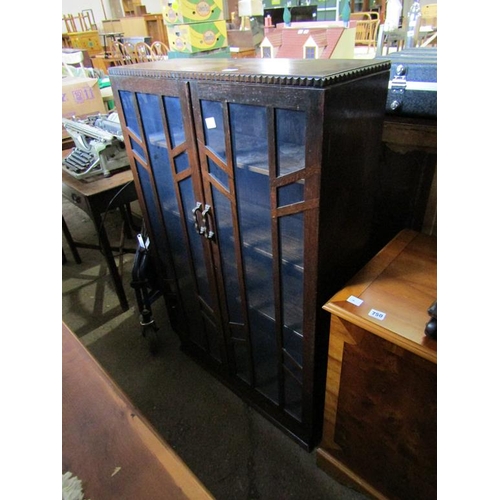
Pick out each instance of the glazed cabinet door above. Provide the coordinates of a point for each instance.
(160, 141)
(260, 187)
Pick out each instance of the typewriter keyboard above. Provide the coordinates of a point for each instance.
(79, 161)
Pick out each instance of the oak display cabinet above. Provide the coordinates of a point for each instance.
(257, 180)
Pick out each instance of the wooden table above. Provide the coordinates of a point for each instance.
(95, 196)
(379, 432)
(108, 444)
(103, 62)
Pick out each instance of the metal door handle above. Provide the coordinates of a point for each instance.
(199, 230)
(208, 233)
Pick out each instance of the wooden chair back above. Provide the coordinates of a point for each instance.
(159, 51)
(118, 52)
(363, 16)
(130, 53)
(143, 52)
(366, 32)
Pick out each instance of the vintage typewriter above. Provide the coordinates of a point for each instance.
(99, 147)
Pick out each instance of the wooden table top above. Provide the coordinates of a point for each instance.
(98, 183)
(400, 282)
(108, 444)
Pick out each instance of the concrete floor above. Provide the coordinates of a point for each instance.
(233, 450)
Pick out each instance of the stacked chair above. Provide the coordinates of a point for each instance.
(129, 53)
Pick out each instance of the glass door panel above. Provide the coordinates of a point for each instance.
(152, 214)
(253, 193)
(176, 201)
(291, 230)
(175, 123)
(213, 127)
(219, 174)
(259, 183)
(220, 183)
(226, 243)
(127, 101)
(225, 239)
(195, 240)
(291, 160)
(290, 139)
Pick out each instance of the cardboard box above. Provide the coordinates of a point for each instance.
(81, 97)
(193, 11)
(197, 37)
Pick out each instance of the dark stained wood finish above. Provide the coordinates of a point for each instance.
(276, 72)
(407, 183)
(344, 105)
(410, 134)
(380, 419)
(108, 444)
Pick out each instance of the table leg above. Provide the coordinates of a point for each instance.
(108, 255)
(126, 220)
(71, 243)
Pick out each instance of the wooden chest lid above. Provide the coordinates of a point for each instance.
(390, 296)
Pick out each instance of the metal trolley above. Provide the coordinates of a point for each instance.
(146, 288)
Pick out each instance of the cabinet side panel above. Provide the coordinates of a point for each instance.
(354, 115)
(352, 134)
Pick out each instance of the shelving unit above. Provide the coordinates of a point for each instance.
(258, 180)
(129, 6)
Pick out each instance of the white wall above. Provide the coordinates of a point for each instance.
(407, 4)
(101, 9)
(76, 6)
